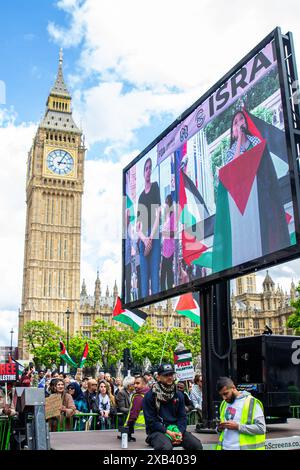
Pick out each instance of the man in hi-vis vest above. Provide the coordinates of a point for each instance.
(242, 424)
(135, 418)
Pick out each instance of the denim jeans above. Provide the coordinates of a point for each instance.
(149, 266)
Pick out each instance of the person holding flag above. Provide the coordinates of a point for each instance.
(250, 219)
(241, 139)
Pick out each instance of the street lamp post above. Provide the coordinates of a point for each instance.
(11, 341)
(68, 326)
(67, 313)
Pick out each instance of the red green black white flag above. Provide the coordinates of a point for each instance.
(134, 318)
(65, 355)
(84, 355)
(188, 307)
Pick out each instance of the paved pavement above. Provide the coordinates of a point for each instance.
(107, 440)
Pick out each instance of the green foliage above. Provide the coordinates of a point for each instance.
(76, 347)
(110, 341)
(264, 114)
(107, 343)
(42, 339)
(149, 343)
(294, 319)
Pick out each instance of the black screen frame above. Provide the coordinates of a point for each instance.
(282, 43)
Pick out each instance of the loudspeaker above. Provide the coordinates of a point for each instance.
(32, 396)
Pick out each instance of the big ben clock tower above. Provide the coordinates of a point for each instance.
(55, 170)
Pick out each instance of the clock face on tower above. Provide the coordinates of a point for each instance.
(60, 162)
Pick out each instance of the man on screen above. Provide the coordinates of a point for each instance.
(148, 219)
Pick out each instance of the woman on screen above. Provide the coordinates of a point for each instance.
(250, 219)
(148, 218)
(241, 139)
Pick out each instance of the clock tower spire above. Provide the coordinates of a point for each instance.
(55, 171)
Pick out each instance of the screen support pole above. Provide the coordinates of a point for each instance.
(216, 346)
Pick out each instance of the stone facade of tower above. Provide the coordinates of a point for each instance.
(54, 188)
(251, 311)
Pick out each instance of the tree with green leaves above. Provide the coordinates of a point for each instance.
(76, 348)
(149, 342)
(107, 343)
(42, 340)
(294, 320)
(110, 341)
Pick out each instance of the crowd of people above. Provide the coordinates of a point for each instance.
(159, 404)
(111, 402)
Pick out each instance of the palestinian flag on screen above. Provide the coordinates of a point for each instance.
(250, 218)
(188, 307)
(134, 318)
(193, 216)
(65, 355)
(84, 356)
(130, 208)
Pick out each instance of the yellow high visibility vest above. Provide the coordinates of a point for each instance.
(247, 441)
(140, 422)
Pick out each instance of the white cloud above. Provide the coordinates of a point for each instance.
(9, 320)
(170, 43)
(148, 59)
(15, 143)
(108, 114)
(102, 225)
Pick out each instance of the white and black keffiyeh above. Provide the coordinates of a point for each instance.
(163, 393)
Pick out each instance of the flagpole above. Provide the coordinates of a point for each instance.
(6, 396)
(166, 337)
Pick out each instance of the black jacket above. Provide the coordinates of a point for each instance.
(172, 412)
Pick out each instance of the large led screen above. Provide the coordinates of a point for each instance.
(214, 192)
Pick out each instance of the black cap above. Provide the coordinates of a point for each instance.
(165, 369)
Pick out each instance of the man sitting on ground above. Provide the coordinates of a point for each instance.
(165, 414)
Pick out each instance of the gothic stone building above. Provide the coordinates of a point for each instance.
(251, 310)
(161, 315)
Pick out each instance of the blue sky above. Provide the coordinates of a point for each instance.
(132, 68)
(28, 56)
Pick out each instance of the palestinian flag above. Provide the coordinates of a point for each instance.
(188, 307)
(65, 355)
(289, 215)
(193, 214)
(192, 203)
(84, 355)
(130, 208)
(193, 251)
(134, 318)
(184, 356)
(250, 218)
(20, 367)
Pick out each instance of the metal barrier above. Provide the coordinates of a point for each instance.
(5, 429)
(192, 417)
(85, 422)
(295, 410)
(93, 422)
